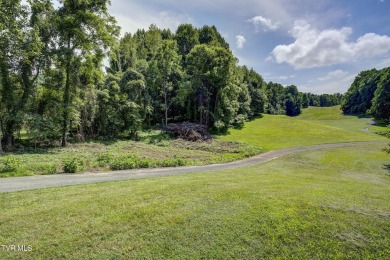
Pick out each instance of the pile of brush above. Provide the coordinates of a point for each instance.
(189, 131)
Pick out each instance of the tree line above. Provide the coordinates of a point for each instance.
(369, 94)
(54, 84)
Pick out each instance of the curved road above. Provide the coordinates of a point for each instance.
(372, 123)
(58, 180)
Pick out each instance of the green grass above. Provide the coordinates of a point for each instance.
(325, 204)
(314, 126)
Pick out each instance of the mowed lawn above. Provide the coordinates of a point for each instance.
(325, 204)
(315, 126)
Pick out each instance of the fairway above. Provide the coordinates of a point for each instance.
(314, 126)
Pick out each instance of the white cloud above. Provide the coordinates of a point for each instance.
(240, 41)
(142, 17)
(313, 48)
(337, 74)
(263, 24)
(337, 85)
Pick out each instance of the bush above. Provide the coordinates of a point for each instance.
(11, 164)
(73, 165)
(133, 162)
(44, 168)
(172, 162)
(104, 159)
(123, 163)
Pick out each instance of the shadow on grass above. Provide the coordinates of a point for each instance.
(381, 123)
(153, 137)
(387, 167)
(239, 126)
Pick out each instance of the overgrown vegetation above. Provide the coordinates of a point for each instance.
(154, 149)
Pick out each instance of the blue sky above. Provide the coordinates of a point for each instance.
(317, 45)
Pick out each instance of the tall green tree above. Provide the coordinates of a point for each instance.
(187, 37)
(256, 87)
(20, 62)
(358, 98)
(276, 97)
(293, 101)
(381, 102)
(84, 28)
(213, 88)
(166, 73)
(305, 100)
(209, 35)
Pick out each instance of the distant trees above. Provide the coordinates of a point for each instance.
(369, 94)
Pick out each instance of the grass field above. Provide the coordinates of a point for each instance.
(314, 126)
(320, 205)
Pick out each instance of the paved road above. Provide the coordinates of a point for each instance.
(372, 123)
(47, 181)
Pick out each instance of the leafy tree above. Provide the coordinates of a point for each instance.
(243, 98)
(211, 70)
(276, 99)
(20, 63)
(381, 102)
(153, 41)
(123, 55)
(165, 69)
(120, 103)
(305, 100)
(187, 37)
(358, 98)
(292, 101)
(209, 35)
(84, 28)
(257, 92)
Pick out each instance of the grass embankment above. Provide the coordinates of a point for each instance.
(154, 150)
(323, 204)
(314, 126)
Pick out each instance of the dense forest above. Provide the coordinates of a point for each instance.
(66, 74)
(369, 94)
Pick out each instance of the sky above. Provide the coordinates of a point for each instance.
(318, 45)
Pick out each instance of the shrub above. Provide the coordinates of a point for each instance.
(145, 163)
(172, 162)
(104, 159)
(44, 168)
(123, 163)
(73, 165)
(11, 164)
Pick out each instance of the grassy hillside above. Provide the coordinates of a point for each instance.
(314, 126)
(320, 205)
